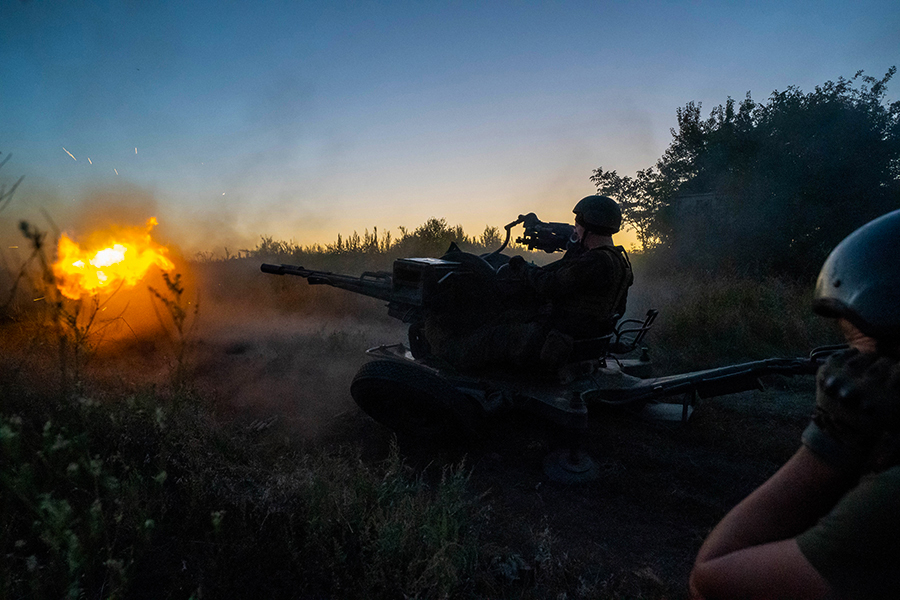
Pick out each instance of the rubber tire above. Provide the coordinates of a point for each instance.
(412, 400)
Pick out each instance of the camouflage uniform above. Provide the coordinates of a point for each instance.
(587, 290)
(580, 296)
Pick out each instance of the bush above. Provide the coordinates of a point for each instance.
(710, 321)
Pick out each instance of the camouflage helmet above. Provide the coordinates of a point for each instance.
(860, 280)
(599, 214)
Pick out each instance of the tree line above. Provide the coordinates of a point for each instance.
(377, 250)
(767, 188)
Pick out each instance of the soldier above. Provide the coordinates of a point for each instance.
(554, 312)
(827, 523)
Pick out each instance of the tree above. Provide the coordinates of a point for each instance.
(432, 238)
(768, 187)
(638, 198)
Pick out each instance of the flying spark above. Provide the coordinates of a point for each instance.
(135, 150)
(69, 153)
(89, 160)
(116, 170)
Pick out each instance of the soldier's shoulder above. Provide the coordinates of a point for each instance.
(605, 253)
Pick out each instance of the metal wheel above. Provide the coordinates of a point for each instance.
(412, 400)
(567, 465)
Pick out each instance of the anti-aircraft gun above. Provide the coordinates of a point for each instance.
(418, 282)
(415, 394)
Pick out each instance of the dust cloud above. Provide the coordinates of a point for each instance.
(263, 347)
(272, 345)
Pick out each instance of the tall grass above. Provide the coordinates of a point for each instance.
(707, 320)
(148, 497)
(179, 325)
(151, 496)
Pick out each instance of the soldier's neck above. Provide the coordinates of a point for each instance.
(595, 240)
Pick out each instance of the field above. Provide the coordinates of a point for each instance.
(228, 459)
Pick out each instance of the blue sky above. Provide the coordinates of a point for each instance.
(305, 119)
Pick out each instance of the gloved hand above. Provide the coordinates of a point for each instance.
(512, 280)
(514, 269)
(517, 264)
(857, 401)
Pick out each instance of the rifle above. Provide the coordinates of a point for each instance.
(415, 279)
(375, 284)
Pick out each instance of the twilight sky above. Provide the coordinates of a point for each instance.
(300, 120)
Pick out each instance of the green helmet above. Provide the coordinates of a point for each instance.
(600, 214)
(860, 280)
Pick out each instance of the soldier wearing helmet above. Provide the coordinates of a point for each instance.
(587, 289)
(598, 214)
(557, 310)
(827, 523)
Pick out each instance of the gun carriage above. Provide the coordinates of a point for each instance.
(415, 394)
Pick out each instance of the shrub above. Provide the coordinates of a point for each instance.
(710, 321)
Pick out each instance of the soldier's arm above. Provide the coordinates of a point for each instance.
(752, 552)
(565, 277)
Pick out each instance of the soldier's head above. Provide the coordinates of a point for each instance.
(860, 283)
(598, 214)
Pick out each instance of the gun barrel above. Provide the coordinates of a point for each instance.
(280, 269)
(374, 285)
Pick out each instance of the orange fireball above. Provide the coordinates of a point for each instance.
(122, 258)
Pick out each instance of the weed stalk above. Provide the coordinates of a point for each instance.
(177, 309)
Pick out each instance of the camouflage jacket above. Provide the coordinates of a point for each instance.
(585, 292)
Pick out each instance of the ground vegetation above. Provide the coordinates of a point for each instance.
(249, 471)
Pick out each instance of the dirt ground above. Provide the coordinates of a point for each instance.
(662, 485)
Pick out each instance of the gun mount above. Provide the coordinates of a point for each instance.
(417, 395)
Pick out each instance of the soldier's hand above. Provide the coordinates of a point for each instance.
(516, 264)
(513, 270)
(857, 400)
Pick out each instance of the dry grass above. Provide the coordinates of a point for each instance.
(709, 321)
